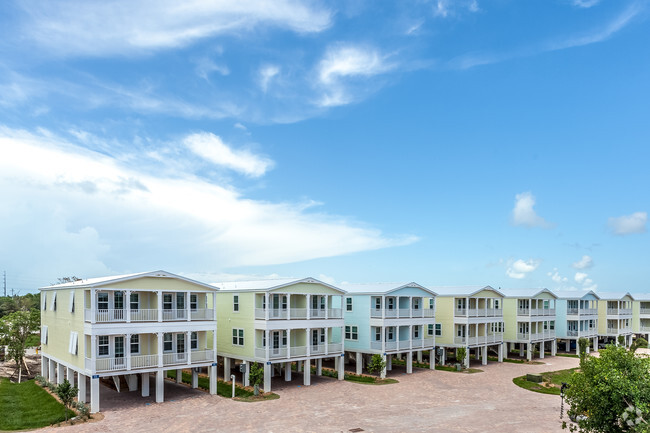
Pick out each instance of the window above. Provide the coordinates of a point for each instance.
(431, 303)
(73, 342)
(194, 341)
(284, 338)
(71, 306)
(416, 332)
(168, 342)
(391, 303)
(102, 345)
(134, 301)
(552, 325)
(496, 304)
(102, 301)
(238, 337)
(118, 300)
(460, 303)
(168, 303)
(44, 334)
(194, 301)
(377, 334)
(377, 303)
(348, 304)
(180, 301)
(235, 303)
(545, 326)
(284, 302)
(430, 330)
(53, 305)
(351, 333)
(135, 343)
(438, 329)
(416, 303)
(390, 333)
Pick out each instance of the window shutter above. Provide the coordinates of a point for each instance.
(53, 304)
(73, 342)
(44, 334)
(71, 309)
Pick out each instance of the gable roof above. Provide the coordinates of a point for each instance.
(614, 296)
(268, 285)
(526, 293)
(574, 294)
(463, 290)
(103, 281)
(382, 288)
(641, 296)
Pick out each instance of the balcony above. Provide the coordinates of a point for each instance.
(391, 346)
(535, 336)
(644, 328)
(402, 313)
(478, 312)
(298, 351)
(619, 311)
(645, 311)
(483, 339)
(148, 361)
(618, 331)
(146, 315)
(299, 313)
(536, 312)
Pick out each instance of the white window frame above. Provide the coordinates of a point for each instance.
(132, 343)
(171, 341)
(238, 337)
(348, 303)
(108, 304)
(137, 301)
(416, 332)
(432, 304)
(194, 340)
(431, 329)
(352, 331)
(437, 329)
(235, 303)
(100, 344)
(194, 304)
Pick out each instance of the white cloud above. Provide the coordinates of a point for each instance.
(628, 224)
(118, 27)
(520, 268)
(523, 213)
(448, 8)
(584, 263)
(67, 207)
(556, 277)
(441, 9)
(580, 277)
(585, 3)
(344, 62)
(267, 73)
(205, 67)
(213, 149)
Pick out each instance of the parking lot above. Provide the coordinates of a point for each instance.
(425, 401)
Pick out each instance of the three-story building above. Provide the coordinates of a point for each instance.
(576, 317)
(615, 317)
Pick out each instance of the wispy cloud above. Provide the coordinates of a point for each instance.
(105, 214)
(448, 8)
(629, 224)
(585, 3)
(114, 27)
(343, 62)
(524, 213)
(556, 277)
(266, 74)
(520, 268)
(213, 149)
(585, 262)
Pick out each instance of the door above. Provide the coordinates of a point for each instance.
(275, 348)
(314, 338)
(180, 347)
(180, 306)
(118, 305)
(118, 346)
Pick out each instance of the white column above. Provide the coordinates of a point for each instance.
(443, 356)
(267, 376)
(383, 306)
(160, 305)
(188, 343)
(554, 348)
(52, 373)
(179, 375)
(288, 305)
(247, 370)
(94, 395)
(93, 307)
(81, 382)
(383, 371)
(484, 351)
(308, 342)
(409, 362)
(187, 306)
(327, 308)
(213, 379)
(542, 345)
(419, 356)
(59, 373)
(298, 366)
(226, 367)
(266, 310)
(521, 350)
(501, 351)
(411, 338)
(389, 362)
(70, 376)
(308, 308)
(127, 306)
(529, 351)
(467, 358)
(595, 343)
(195, 378)
(127, 350)
(160, 386)
(145, 384)
(326, 330)
(307, 373)
(359, 359)
(340, 368)
(287, 372)
(93, 354)
(319, 367)
(410, 306)
(44, 367)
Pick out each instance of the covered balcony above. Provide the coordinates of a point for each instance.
(288, 306)
(478, 307)
(403, 307)
(401, 338)
(297, 343)
(536, 307)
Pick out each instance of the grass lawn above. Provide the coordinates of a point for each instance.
(551, 381)
(224, 389)
(368, 380)
(26, 405)
(453, 369)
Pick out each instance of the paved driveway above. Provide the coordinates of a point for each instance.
(425, 401)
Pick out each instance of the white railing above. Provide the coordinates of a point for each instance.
(479, 312)
(144, 361)
(335, 313)
(298, 313)
(459, 340)
(109, 364)
(298, 351)
(429, 312)
(376, 345)
(175, 314)
(174, 358)
(523, 311)
(335, 348)
(404, 312)
(571, 333)
(612, 330)
(317, 350)
(110, 315)
(644, 328)
(416, 312)
(202, 314)
(522, 336)
(317, 313)
(573, 311)
(416, 343)
(390, 345)
(460, 312)
(202, 355)
(148, 315)
(404, 344)
(625, 312)
(485, 339)
(588, 311)
(612, 311)
(645, 311)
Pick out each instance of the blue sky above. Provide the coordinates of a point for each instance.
(444, 142)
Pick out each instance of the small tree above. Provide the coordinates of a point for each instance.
(639, 342)
(583, 343)
(605, 388)
(621, 340)
(66, 393)
(15, 328)
(376, 364)
(256, 377)
(461, 354)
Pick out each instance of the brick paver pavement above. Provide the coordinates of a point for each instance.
(425, 401)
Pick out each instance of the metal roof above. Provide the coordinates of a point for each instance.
(381, 288)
